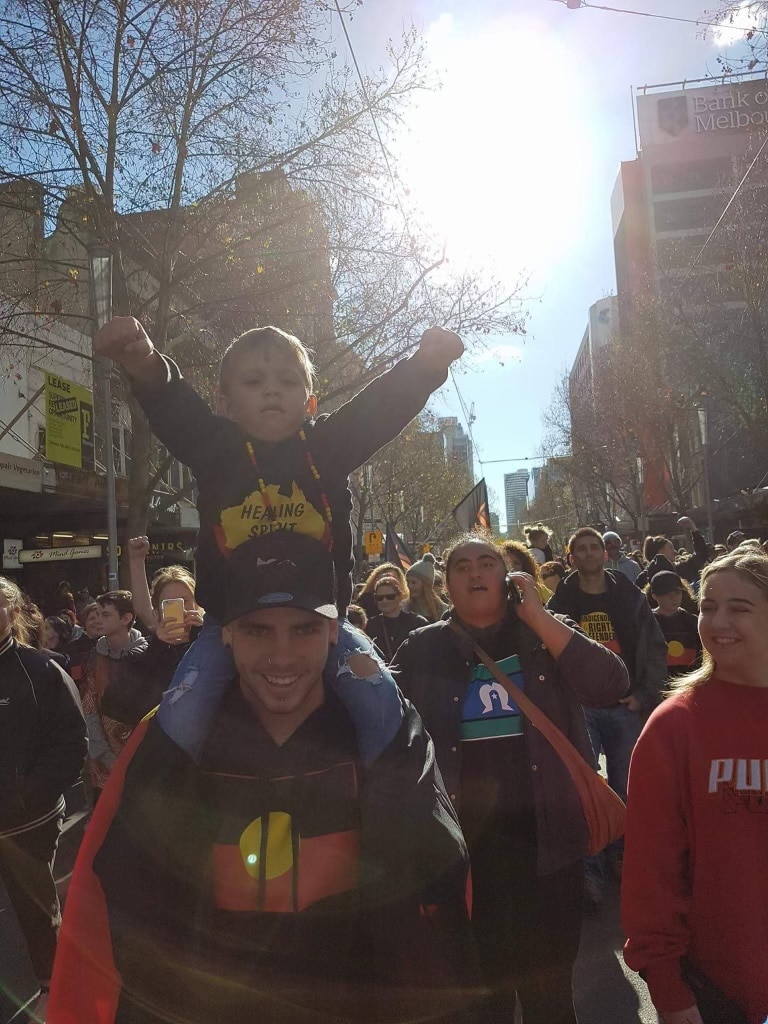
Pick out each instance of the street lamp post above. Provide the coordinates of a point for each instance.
(100, 265)
(641, 494)
(704, 434)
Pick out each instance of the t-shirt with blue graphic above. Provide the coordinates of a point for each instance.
(488, 711)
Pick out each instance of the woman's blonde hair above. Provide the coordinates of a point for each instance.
(523, 554)
(428, 604)
(13, 595)
(169, 574)
(752, 566)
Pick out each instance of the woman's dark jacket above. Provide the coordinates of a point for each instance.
(43, 740)
(687, 566)
(434, 667)
(389, 633)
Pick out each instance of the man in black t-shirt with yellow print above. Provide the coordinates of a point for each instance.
(613, 611)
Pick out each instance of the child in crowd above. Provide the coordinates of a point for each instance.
(267, 464)
(680, 628)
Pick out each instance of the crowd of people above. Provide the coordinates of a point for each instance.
(340, 808)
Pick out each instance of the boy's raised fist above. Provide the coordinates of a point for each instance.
(126, 342)
(441, 347)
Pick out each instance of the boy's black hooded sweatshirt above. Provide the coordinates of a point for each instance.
(230, 503)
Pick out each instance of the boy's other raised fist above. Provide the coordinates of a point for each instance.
(440, 347)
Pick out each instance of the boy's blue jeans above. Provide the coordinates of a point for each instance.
(206, 670)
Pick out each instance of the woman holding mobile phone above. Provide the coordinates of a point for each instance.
(520, 811)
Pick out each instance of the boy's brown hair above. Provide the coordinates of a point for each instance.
(121, 600)
(267, 337)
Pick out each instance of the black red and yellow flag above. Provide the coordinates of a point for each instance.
(472, 512)
(397, 551)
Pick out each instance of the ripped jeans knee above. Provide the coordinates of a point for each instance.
(366, 687)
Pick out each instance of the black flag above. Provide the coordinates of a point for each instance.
(472, 512)
(396, 550)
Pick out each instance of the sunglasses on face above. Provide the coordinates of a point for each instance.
(386, 597)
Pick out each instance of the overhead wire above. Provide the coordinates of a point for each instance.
(754, 30)
(398, 199)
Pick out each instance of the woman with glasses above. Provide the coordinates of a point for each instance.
(391, 625)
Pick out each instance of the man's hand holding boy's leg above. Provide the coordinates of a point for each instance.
(439, 348)
(126, 342)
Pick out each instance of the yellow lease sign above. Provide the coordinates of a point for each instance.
(68, 423)
(374, 542)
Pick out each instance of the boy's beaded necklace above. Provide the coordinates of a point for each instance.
(269, 507)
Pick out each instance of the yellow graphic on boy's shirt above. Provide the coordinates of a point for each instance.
(598, 626)
(251, 518)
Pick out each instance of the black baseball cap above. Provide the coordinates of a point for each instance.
(735, 538)
(665, 582)
(280, 570)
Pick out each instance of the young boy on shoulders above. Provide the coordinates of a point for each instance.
(267, 463)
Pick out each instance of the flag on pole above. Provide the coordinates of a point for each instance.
(472, 512)
(397, 551)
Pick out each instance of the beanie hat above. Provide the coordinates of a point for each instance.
(424, 568)
(610, 535)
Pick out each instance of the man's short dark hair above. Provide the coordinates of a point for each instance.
(272, 338)
(586, 531)
(122, 600)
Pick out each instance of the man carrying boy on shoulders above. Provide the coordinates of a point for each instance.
(277, 879)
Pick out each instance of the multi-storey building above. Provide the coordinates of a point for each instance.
(516, 497)
(695, 145)
(457, 444)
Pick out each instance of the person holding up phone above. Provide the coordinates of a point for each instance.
(519, 810)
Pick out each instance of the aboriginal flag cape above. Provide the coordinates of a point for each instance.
(133, 942)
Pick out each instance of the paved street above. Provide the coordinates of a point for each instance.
(606, 991)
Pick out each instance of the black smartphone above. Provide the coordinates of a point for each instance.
(514, 595)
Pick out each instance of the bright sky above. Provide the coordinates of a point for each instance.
(514, 161)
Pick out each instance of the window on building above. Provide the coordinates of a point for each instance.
(692, 175)
(698, 212)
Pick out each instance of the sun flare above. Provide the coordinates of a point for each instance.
(496, 159)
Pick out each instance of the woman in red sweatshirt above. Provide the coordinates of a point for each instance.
(695, 881)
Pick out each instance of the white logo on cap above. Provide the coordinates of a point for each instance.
(275, 598)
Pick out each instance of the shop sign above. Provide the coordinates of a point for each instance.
(31, 555)
(68, 423)
(11, 549)
(21, 474)
(80, 484)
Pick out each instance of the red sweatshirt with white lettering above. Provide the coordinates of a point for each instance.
(695, 879)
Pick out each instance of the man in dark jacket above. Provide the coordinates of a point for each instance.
(518, 807)
(278, 877)
(43, 744)
(614, 612)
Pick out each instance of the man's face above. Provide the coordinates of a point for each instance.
(280, 654)
(613, 549)
(112, 623)
(267, 394)
(588, 555)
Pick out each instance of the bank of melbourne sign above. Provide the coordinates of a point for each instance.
(670, 117)
(68, 423)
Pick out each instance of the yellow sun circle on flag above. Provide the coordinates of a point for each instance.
(675, 648)
(279, 846)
